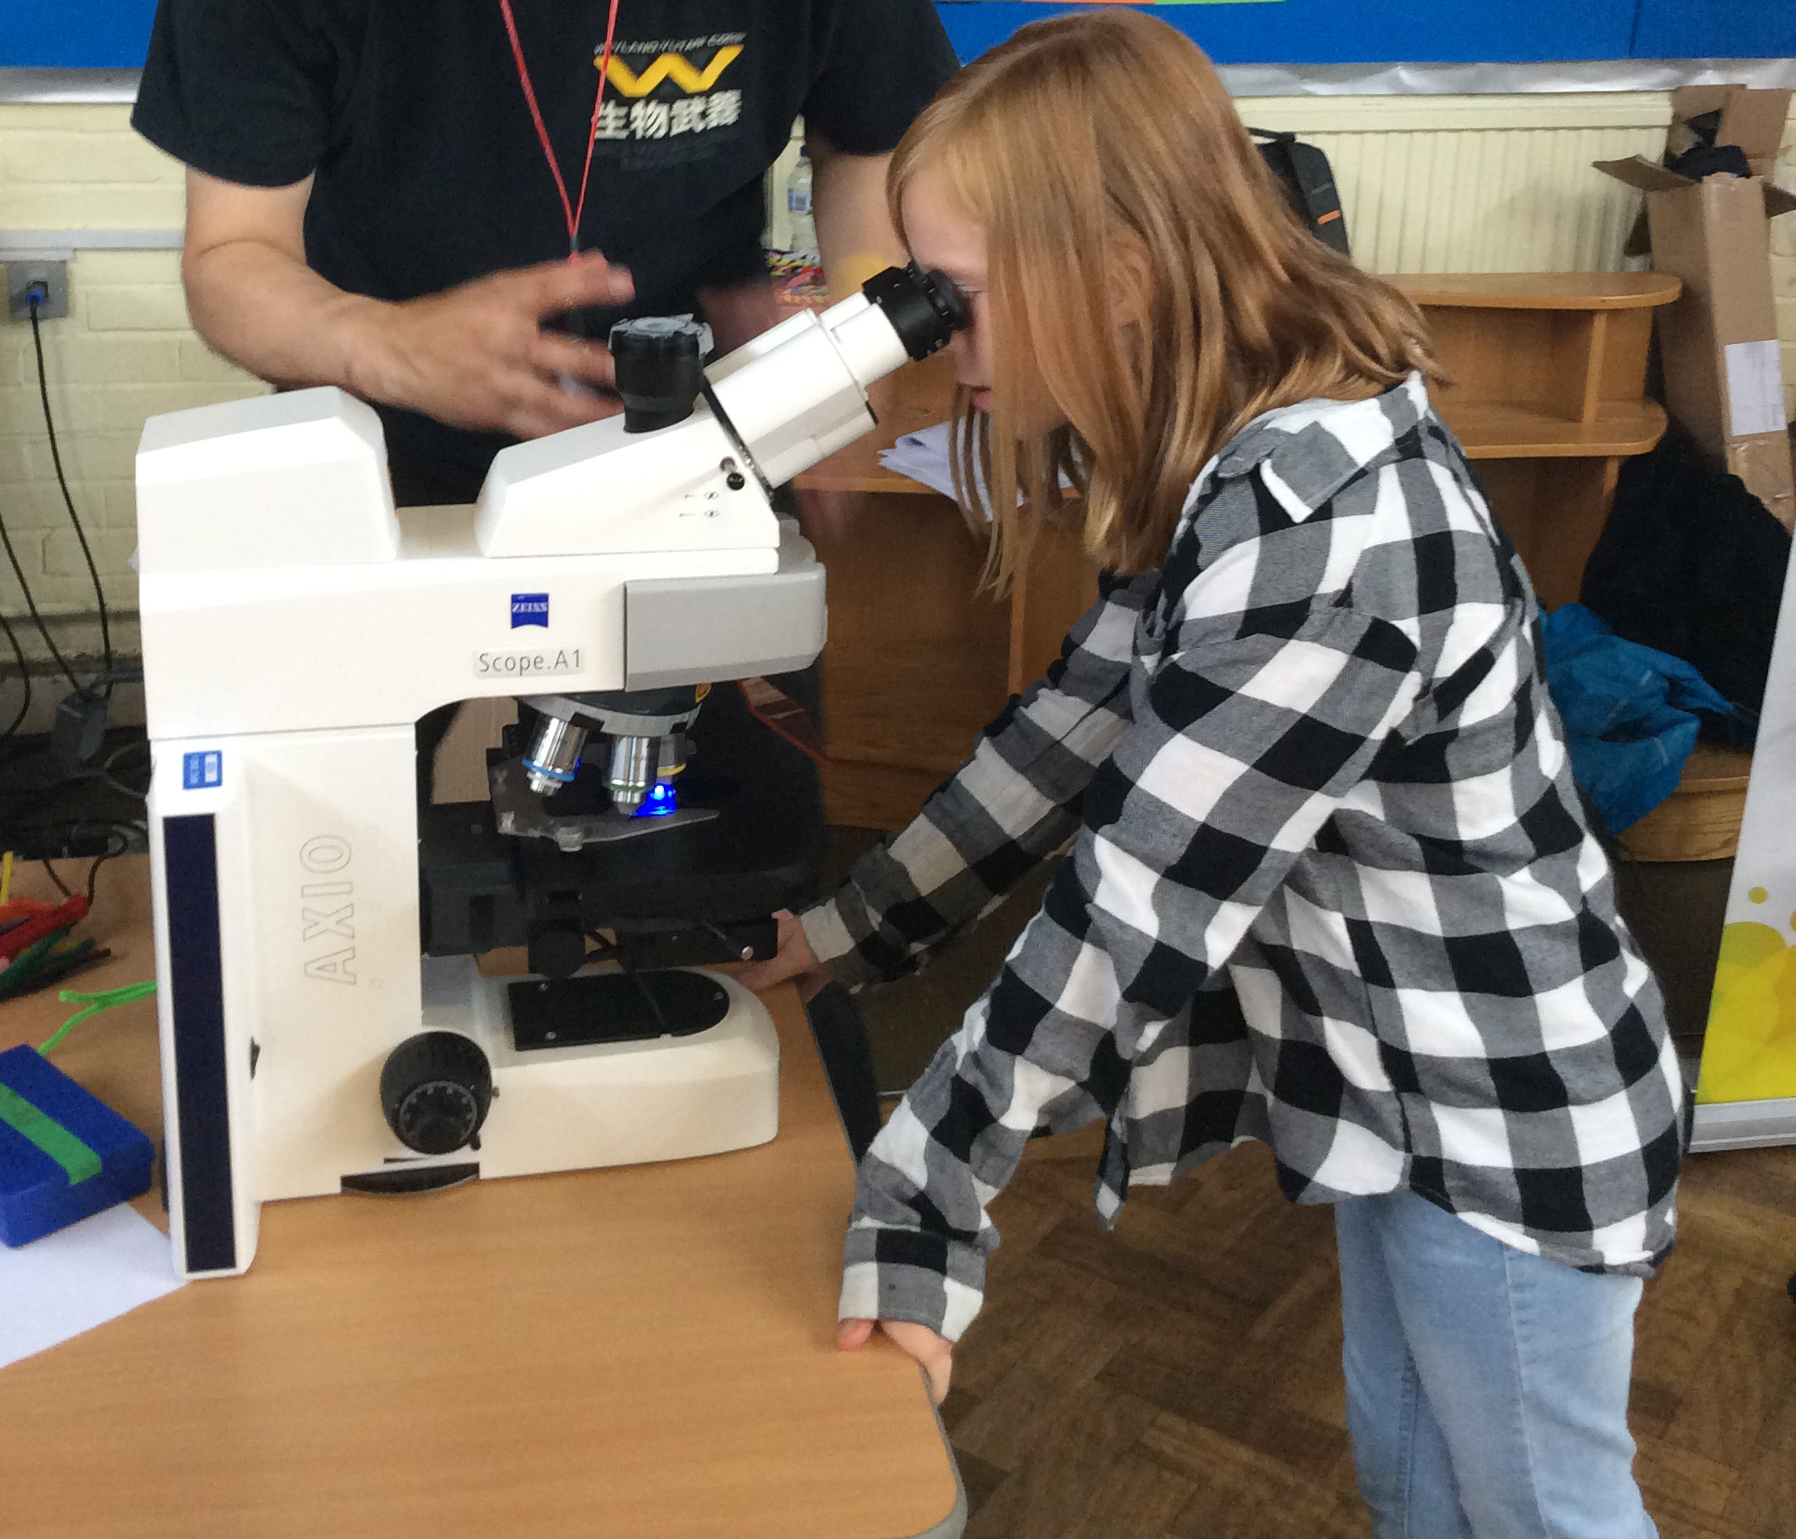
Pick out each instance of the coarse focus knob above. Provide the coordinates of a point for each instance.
(660, 364)
(434, 1091)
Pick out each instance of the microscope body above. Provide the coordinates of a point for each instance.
(295, 628)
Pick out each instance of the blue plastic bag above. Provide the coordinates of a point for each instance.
(1628, 713)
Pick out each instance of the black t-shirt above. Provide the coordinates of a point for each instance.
(428, 168)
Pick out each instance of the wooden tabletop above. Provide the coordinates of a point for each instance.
(646, 1351)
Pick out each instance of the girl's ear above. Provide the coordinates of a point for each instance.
(1131, 277)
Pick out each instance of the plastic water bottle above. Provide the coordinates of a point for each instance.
(803, 236)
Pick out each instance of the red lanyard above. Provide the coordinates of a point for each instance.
(572, 211)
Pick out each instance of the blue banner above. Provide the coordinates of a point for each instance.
(115, 33)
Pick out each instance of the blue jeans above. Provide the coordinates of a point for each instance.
(1487, 1389)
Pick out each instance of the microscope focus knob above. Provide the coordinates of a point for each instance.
(434, 1091)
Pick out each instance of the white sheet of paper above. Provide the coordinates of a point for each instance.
(923, 456)
(70, 1281)
(1755, 388)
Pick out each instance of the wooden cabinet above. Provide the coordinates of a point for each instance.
(1548, 373)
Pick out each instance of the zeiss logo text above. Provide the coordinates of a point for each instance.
(529, 609)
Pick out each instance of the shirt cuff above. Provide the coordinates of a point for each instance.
(904, 1274)
(835, 948)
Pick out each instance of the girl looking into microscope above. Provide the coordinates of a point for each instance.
(1329, 884)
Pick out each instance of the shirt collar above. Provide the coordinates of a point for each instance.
(1315, 447)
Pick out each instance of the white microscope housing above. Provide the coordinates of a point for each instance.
(296, 625)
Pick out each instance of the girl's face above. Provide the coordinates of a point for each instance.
(943, 238)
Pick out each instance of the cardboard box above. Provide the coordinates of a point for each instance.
(1718, 340)
(1751, 119)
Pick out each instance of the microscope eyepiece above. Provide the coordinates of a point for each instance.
(660, 361)
(925, 308)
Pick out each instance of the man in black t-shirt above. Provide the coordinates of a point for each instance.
(369, 203)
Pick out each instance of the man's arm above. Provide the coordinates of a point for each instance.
(474, 356)
(854, 231)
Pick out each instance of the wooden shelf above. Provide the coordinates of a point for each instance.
(1496, 430)
(1537, 291)
(1545, 388)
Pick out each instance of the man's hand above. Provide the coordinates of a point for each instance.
(478, 356)
(794, 959)
(475, 356)
(935, 1353)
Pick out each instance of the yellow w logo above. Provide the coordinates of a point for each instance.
(671, 66)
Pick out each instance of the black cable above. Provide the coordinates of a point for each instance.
(18, 652)
(68, 501)
(31, 604)
(93, 871)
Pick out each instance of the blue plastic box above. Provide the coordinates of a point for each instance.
(63, 1155)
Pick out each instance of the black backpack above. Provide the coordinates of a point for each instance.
(1309, 186)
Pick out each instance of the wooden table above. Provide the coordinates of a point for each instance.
(646, 1351)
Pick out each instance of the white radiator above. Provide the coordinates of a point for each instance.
(1478, 183)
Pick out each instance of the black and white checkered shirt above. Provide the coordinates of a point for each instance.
(1330, 886)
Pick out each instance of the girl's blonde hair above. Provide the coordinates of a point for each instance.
(1102, 157)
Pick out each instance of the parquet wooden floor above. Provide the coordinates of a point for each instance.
(1180, 1377)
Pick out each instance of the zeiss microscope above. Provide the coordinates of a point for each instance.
(325, 1025)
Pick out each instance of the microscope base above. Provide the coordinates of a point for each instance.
(616, 1103)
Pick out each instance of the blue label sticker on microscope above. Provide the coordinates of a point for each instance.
(199, 770)
(529, 609)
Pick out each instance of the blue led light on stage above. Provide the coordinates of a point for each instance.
(660, 801)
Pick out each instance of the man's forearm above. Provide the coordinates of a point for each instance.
(275, 317)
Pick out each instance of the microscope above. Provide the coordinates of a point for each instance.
(326, 1023)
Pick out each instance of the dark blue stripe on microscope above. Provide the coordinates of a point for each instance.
(196, 981)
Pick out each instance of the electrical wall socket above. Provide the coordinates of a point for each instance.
(54, 276)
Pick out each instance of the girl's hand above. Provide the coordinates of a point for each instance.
(935, 1353)
(794, 959)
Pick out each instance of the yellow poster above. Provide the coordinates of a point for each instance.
(1749, 1052)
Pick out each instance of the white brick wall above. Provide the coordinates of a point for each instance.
(125, 352)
